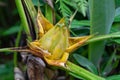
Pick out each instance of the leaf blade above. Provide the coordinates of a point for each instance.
(102, 16)
(85, 63)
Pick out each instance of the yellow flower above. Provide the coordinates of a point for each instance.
(54, 43)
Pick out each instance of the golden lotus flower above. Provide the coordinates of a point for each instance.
(54, 43)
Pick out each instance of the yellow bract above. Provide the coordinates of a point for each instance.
(54, 43)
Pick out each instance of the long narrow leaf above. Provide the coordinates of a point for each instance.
(85, 63)
(101, 18)
(114, 77)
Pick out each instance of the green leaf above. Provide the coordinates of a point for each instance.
(117, 12)
(114, 77)
(6, 71)
(117, 41)
(85, 63)
(117, 3)
(101, 18)
(11, 30)
(117, 15)
(35, 2)
(66, 12)
(49, 13)
(117, 18)
(109, 65)
(77, 24)
(81, 5)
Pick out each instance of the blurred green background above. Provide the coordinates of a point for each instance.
(9, 25)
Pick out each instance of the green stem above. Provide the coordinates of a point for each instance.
(81, 72)
(6, 50)
(103, 37)
(17, 44)
(73, 33)
(23, 17)
(72, 17)
(70, 20)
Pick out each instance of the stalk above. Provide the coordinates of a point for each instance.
(23, 18)
(104, 37)
(81, 72)
(6, 50)
(16, 45)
